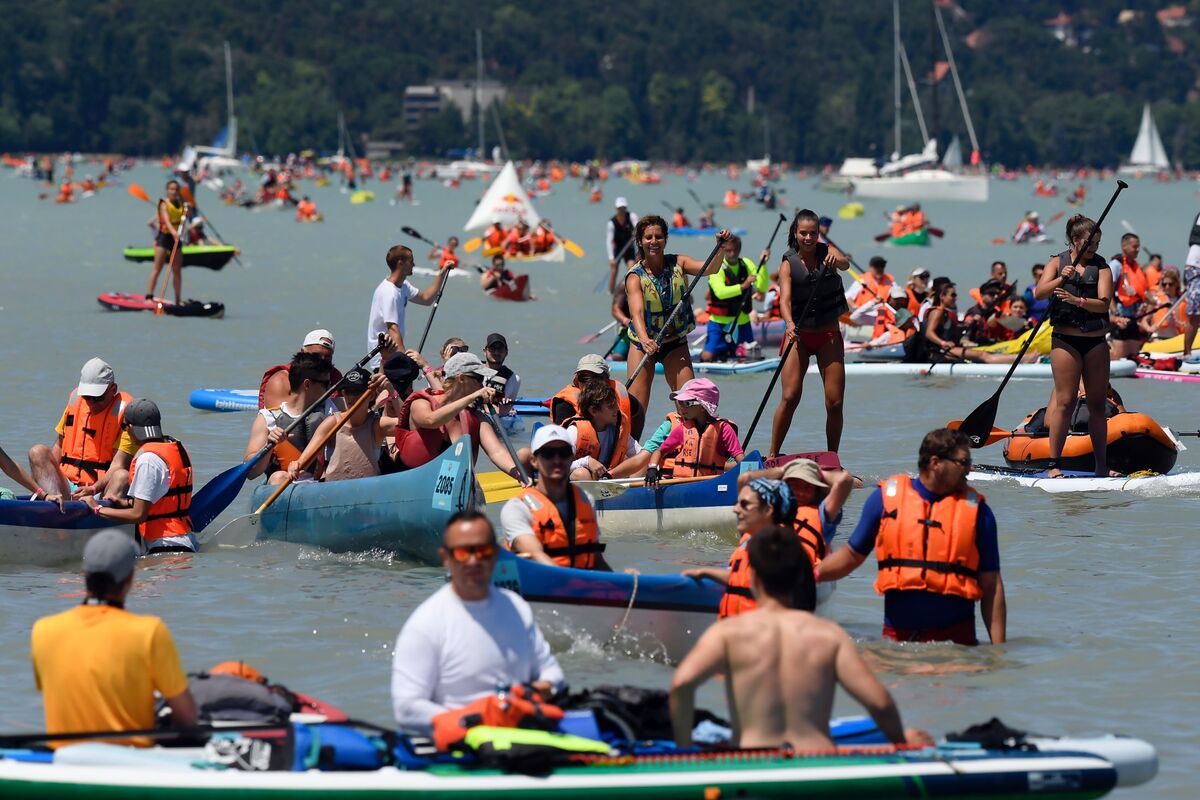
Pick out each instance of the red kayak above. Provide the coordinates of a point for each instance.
(119, 301)
(518, 290)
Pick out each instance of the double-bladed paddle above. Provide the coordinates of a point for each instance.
(979, 423)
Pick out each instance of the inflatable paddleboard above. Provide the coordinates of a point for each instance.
(119, 301)
(210, 256)
(224, 399)
(705, 231)
(1119, 369)
(1086, 481)
(1166, 375)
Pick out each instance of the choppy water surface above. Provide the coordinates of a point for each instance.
(1102, 606)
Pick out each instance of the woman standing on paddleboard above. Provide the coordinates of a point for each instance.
(1079, 313)
(654, 286)
(811, 299)
(170, 215)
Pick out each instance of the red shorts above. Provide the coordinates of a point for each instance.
(960, 633)
(812, 341)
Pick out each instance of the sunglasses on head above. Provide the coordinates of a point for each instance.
(481, 551)
(459, 348)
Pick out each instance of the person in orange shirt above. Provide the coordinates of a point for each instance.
(680, 220)
(874, 285)
(97, 665)
(518, 242)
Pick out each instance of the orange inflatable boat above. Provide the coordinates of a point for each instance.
(1135, 443)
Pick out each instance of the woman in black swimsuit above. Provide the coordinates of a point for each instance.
(1079, 313)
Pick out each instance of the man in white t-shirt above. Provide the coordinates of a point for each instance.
(392, 297)
(468, 637)
(160, 486)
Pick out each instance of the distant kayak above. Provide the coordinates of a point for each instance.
(918, 238)
(119, 301)
(210, 256)
(362, 196)
(705, 231)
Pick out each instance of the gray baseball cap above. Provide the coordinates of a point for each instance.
(466, 364)
(95, 378)
(110, 551)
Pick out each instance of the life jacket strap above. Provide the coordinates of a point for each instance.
(936, 566)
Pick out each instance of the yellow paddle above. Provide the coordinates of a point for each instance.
(570, 246)
(498, 486)
(472, 245)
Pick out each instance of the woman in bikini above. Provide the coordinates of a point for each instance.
(810, 273)
(1079, 313)
(653, 287)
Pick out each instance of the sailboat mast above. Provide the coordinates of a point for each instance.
(962, 99)
(479, 86)
(228, 82)
(933, 89)
(896, 74)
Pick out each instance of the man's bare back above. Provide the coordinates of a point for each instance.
(782, 667)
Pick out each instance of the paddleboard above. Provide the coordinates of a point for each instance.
(119, 301)
(224, 399)
(705, 231)
(713, 367)
(1119, 369)
(211, 256)
(1166, 375)
(1086, 481)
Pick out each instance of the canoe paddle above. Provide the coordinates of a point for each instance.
(490, 416)
(437, 300)
(606, 490)
(675, 311)
(696, 197)
(218, 493)
(750, 295)
(139, 193)
(591, 337)
(571, 247)
(787, 351)
(979, 423)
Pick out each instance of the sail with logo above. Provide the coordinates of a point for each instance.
(507, 203)
(1148, 153)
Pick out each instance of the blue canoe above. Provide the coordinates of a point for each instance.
(648, 616)
(705, 231)
(404, 511)
(702, 505)
(247, 400)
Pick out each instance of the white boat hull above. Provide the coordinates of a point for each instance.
(921, 185)
(629, 522)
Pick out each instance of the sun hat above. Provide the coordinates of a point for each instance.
(805, 469)
(466, 364)
(699, 390)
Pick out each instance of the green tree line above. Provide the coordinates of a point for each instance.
(637, 79)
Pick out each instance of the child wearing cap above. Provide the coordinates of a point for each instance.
(357, 442)
(704, 444)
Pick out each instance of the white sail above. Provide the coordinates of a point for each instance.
(505, 201)
(1148, 150)
(953, 157)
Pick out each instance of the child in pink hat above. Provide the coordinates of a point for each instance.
(704, 444)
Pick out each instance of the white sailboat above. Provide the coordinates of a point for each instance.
(506, 202)
(919, 176)
(1148, 153)
(222, 154)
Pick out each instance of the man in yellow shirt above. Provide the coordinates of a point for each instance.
(97, 665)
(93, 451)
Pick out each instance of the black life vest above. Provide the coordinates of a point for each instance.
(918, 349)
(622, 233)
(1086, 285)
(1194, 236)
(825, 284)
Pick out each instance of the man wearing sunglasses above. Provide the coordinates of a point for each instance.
(936, 542)
(552, 522)
(469, 637)
(309, 375)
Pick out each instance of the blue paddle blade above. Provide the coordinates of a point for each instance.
(216, 495)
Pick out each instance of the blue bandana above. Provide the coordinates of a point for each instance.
(777, 495)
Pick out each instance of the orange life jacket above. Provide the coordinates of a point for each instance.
(515, 243)
(448, 259)
(897, 227)
(873, 288)
(1131, 289)
(926, 546)
(678, 220)
(1178, 321)
(885, 317)
(494, 236)
(518, 707)
(914, 305)
(738, 598)
(543, 240)
(915, 221)
(90, 440)
(587, 442)
(698, 455)
(569, 548)
(169, 515)
(731, 199)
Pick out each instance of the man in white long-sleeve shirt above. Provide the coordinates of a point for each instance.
(469, 637)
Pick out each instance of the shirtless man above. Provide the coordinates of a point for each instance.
(782, 664)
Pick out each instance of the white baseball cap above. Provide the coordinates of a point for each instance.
(548, 434)
(320, 336)
(95, 378)
(622, 203)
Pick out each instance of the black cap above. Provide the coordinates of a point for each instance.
(991, 285)
(400, 370)
(877, 261)
(143, 417)
(496, 338)
(355, 381)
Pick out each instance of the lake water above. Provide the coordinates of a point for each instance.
(1101, 619)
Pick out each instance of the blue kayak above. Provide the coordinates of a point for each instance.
(705, 231)
(247, 400)
(36, 532)
(404, 511)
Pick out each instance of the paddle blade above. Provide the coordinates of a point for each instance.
(472, 245)
(879, 237)
(187, 194)
(997, 434)
(216, 495)
(498, 486)
(938, 232)
(139, 193)
(979, 423)
(999, 240)
(573, 248)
